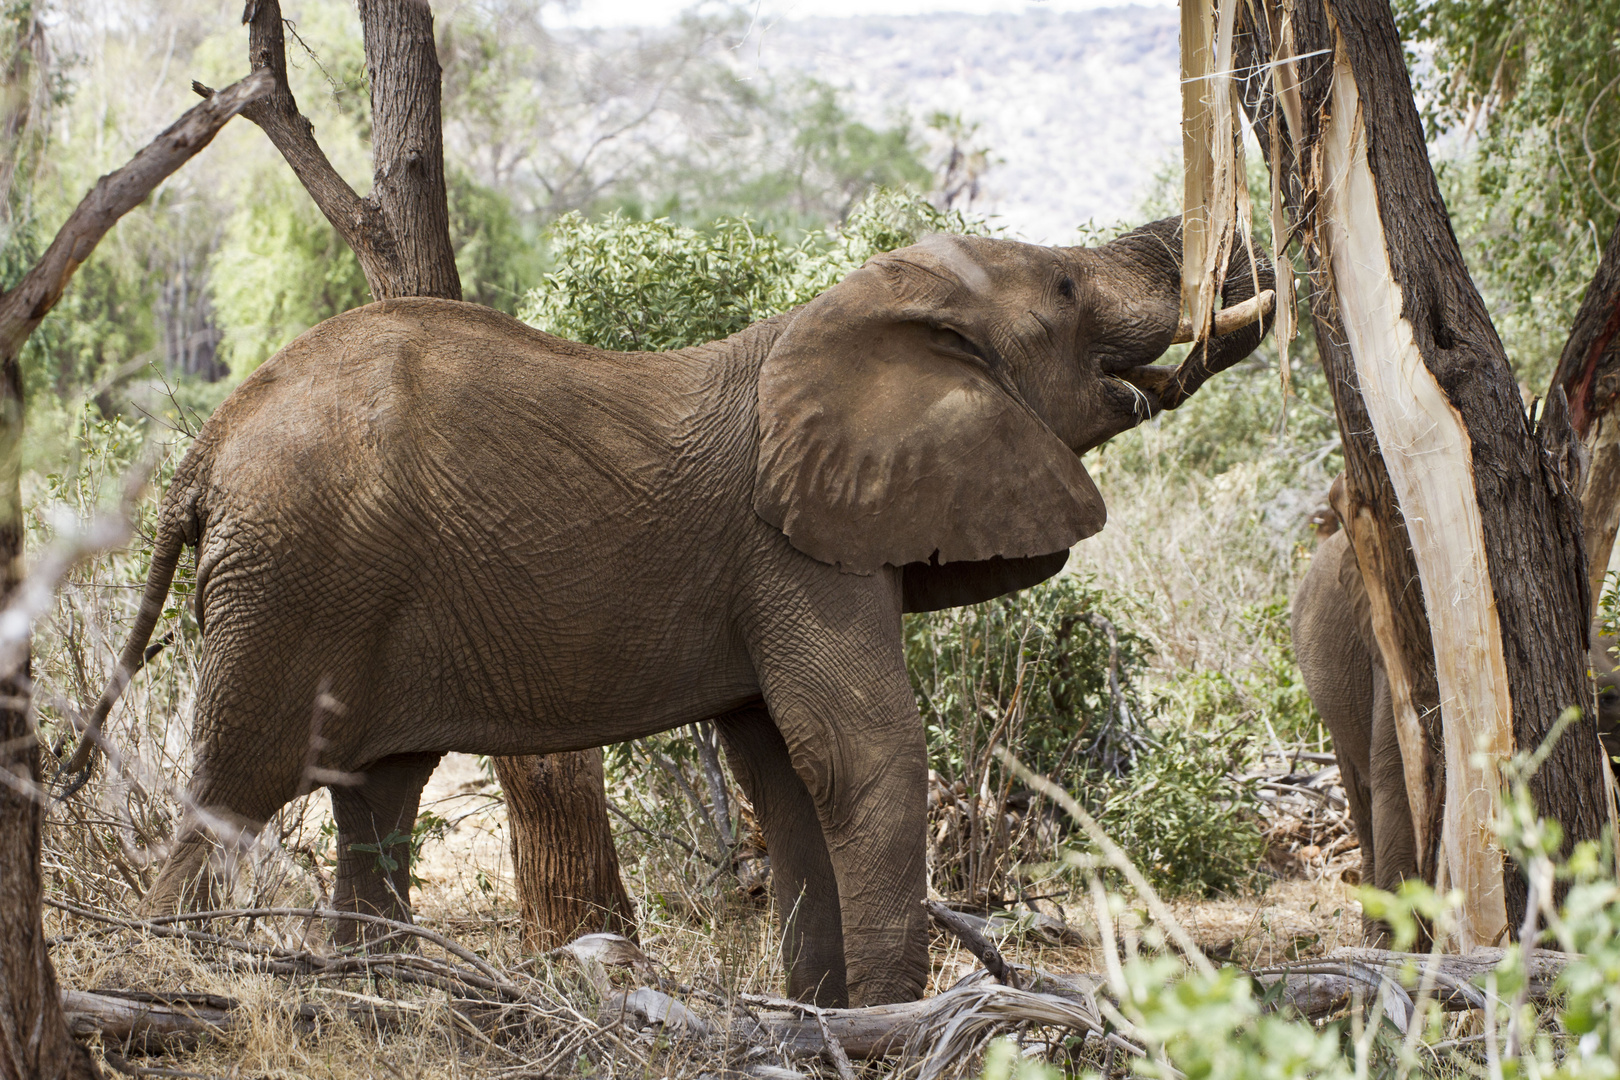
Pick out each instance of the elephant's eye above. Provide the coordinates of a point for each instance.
(1066, 287)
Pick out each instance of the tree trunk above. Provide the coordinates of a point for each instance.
(34, 1038)
(563, 859)
(401, 235)
(1451, 486)
(1589, 375)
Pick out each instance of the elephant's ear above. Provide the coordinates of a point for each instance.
(886, 436)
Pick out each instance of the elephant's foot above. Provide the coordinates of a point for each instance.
(887, 966)
(195, 877)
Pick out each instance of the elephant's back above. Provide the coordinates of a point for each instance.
(446, 404)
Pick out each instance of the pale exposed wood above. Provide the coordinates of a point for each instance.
(1361, 526)
(1197, 132)
(1228, 320)
(1600, 500)
(1428, 451)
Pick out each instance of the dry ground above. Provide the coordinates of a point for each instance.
(714, 940)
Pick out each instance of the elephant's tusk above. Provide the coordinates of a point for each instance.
(1233, 318)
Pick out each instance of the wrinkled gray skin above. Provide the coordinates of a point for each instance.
(1345, 677)
(472, 536)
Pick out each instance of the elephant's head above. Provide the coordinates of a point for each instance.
(930, 410)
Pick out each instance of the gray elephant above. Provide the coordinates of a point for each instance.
(1345, 677)
(425, 527)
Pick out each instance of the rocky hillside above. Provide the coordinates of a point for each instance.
(1081, 109)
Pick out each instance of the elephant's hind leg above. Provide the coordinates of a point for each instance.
(374, 822)
(802, 878)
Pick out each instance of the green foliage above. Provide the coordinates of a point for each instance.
(1189, 826)
(1533, 205)
(281, 269)
(496, 258)
(1032, 671)
(1212, 1027)
(1267, 698)
(650, 285)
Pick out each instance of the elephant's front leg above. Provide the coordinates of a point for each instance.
(850, 723)
(374, 823)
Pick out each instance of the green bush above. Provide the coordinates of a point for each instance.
(1189, 826)
(653, 285)
(1037, 672)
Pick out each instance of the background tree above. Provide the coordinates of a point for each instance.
(1450, 488)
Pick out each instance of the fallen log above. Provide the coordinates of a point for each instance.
(1318, 988)
(143, 1019)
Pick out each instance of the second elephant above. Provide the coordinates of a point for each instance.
(1344, 674)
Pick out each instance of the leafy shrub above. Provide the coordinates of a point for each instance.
(1188, 825)
(651, 285)
(1044, 672)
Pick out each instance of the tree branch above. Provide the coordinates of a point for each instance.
(115, 195)
(359, 221)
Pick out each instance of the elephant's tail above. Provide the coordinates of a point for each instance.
(174, 525)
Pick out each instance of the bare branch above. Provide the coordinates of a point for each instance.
(359, 221)
(115, 195)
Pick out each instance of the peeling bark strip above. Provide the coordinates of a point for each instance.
(1398, 316)
(1417, 764)
(1429, 455)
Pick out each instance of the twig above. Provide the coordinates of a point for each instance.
(118, 1062)
(975, 942)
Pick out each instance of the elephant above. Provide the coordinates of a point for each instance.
(1345, 677)
(425, 527)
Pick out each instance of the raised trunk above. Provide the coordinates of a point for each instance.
(563, 859)
(1474, 534)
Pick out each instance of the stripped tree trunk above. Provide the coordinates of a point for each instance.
(1461, 517)
(563, 859)
(34, 1038)
(401, 235)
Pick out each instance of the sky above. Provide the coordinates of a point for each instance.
(656, 12)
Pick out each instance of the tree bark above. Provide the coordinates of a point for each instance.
(1475, 534)
(1589, 374)
(34, 1037)
(563, 858)
(401, 231)
(401, 235)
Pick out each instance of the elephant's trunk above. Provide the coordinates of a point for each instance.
(1155, 249)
